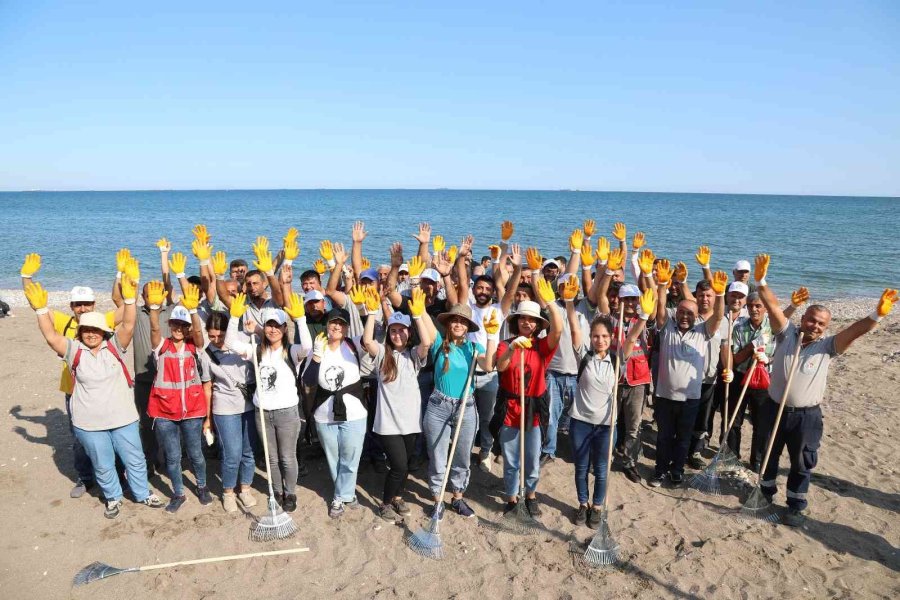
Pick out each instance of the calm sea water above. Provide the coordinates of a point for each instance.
(836, 246)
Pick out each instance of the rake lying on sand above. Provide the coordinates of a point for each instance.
(99, 570)
(757, 505)
(427, 542)
(275, 525)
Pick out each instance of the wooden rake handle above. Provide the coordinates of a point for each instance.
(200, 561)
(784, 395)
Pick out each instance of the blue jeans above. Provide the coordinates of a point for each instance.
(343, 445)
(561, 388)
(509, 441)
(439, 424)
(590, 444)
(237, 436)
(168, 434)
(82, 461)
(486, 387)
(102, 447)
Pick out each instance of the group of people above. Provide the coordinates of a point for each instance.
(380, 361)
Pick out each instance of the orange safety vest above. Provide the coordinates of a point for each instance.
(637, 367)
(177, 391)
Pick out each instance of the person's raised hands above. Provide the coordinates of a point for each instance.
(719, 282)
(359, 232)
(506, 230)
(703, 256)
(619, 232)
(761, 268)
(32, 264)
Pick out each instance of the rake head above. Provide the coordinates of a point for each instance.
(274, 526)
(603, 549)
(758, 508)
(517, 521)
(706, 481)
(725, 460)
(97, 570)
(427, 542)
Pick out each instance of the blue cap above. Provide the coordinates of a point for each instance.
(370, 274)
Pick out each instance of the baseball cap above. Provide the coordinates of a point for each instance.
(273, 314)
(629, 290)
(548, 263)
(398, 318)
(430, 274)
(81, 293)
(180, 313)
(403, 268)
(370, 274)
(740, 287)
(741, 265)
(313, 296)
(337, 314)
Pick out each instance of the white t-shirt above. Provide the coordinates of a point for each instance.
(339, 368)
(277, 387)
(478, 315)
(399, 409)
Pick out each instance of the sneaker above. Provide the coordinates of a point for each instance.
(353, 504)
(655, 481)
(112, 509)
(676, 478)
(533, 506)
(229, 502)
(204, 495)
(175, 503)
(632, 474)
(387, 512)
(279, 498)
(462, 508)
(794, 517)
(510, 506)
(290, 503)
(581, 514)
(247, 498)
(438, 510)
(546, 458)
(593, 520)
(336, 510)
(81, 486)
(484, 464)
(153, 501)
(400, 506)
(696, 461)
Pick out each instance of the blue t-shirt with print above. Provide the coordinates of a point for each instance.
(451, 383)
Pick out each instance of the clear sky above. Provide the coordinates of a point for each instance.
(757, 97)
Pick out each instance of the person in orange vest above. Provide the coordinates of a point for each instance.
(181, 395)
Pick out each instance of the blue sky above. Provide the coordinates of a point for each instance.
(756, 97)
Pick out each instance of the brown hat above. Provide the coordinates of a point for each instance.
(459, 310)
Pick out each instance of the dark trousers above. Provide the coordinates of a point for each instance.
(152, 451)
(702, 427)
(372, 449)
(754, 401)
(399, 450)
(718, 401)
(801, 431)
(426, 386)
(675, 420)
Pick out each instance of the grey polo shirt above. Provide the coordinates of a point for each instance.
(682, 361)
(255, 313)
(101, 398)
(808, 386)
(593, 395)
(144, 363)
(564, 359)
(713, 350)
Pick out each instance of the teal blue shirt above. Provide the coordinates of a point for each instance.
(451, 383)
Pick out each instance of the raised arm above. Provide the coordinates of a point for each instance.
(719, 284)
(358, 234)
(368, 339)
(191, 301)
(679, 278)
(165, 247)
(777, 317)
(703, 257)
(646, 308)
(423, 237)
(491, 324)
(338, 260)
(264, 263)
(849, 334)
(125, 331)
(423, 323)
(595, 292)
(232, 341)
(37, 298)
(533, 258)
(509, 294)
(395, 298)
(798, 299)
(572, 316)
(663, 276)
(545, 292)
(637, 242)
(462, 269)
(444, 266)
(296, 310)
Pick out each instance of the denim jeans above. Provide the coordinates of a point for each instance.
(82, 462)
(237, 435)
(590, 445)
(561, 388)
(486, 387)
(343, 445)
(282, 433)
(102, 447)
(675, 420)
(509, 441)
(168, 434)
(439, 424)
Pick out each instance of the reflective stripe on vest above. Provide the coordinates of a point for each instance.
(171, 392)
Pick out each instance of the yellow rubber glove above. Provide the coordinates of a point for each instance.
(603, 250)
(365, 263)
(761, 268)
(417, 303)
(886, 302)
(799, 297)
(494, 250)
(294, 307)
(545, 290)
(534, 259)
(575, 240)
(506, 230)
(261, 247)
(320, 266)
(164, 245)
(521, 342)
(719, 282)
(569, 289)
(664, 272)
(201, 234)
(727, 376)
(326, 251)
(452, 253)
(587, 254)
(616, 260)
(491, 323)
(201, 251)
(37, 297)
(619, 232)
(122, 257)
(703, 256)
(638, 241)
(590, 228)
(681, 272)
(129, 289)
(416, 266)
(647, 304)
(291, 235)
(358, 295)
(291, 251)
(438, 244)
(133, 269)
(645, 262)
(264, 263)
(238, 306)
(31, 265)
(156, 294)
(177, 263)
(373, 300)
(191, 299)
(220, 264)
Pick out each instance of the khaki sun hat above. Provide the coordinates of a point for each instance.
(459, 310)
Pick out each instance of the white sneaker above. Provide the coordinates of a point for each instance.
(485, 464)
(229, 502)
(247, 498)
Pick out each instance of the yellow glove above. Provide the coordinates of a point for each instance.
(494, 251)
(294, 307)
(164, 245)
(358, 295)
(645, 262)
(490, 323)
(534, 259)
(191, 299)
(156, 294)
(799, 297)
(261, 247)
(365, 263)
(703, 255)
(603, 250)
(31, 265)
(587, 254)
(37, 297)
(575, 240)
(664, 272)
(263, 262)
(129, 289)
(545, 291)
(638, 241)
(681, 272)
(291, 235)
(122, 257)
(506, 230)
(416, 266)
(616, 260)
(761, 268)
(438, 244)
(320, 266)
(133, 269)
(590, 228)
(521, 342)
(647, 304)
(417, 303)
(177, 264)
(220, 264)
(326, 251)
(452, 253)
(719, 282)
(373, 300)
(886, 303)
(619, 232)
(201, 234)
(569, 289)
(238, 306)
(727, 376)
(201, 251)
(291, 251)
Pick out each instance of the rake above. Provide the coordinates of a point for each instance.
(427, 541)
(604, 549)
(758, 506)
(99, 570)
(275, 525)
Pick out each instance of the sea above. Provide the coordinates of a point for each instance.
(839, 247)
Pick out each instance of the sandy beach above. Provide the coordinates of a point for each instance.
(676, 543)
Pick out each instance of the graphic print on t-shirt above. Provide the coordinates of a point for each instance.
(267, 376)
(334, 377)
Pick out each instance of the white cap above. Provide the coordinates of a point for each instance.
(430, 274)
(180, 313)
(273, 314)
(629, 290)
(81, 293)
(398, 318)
(549, 262)
(741, 265)
(738, 286)
(313, 296)
(403, 267)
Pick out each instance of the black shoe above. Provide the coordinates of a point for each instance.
(696, 461)
(510, 506)
(175, 503)
(546, 458)
(676, 478)
(632, 474)
(533, 506)
(581, 514)
(290, 503)
(593, 520)
(655, 481)
(204, 495)
(279, 499)
(794, 517)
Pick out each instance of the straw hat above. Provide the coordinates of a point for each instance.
(94, 319)
(459, 310)
(527, 308)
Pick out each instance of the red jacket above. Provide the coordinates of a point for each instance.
(177, 391)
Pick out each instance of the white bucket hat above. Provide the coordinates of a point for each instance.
(526, 308)
(93, 319)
